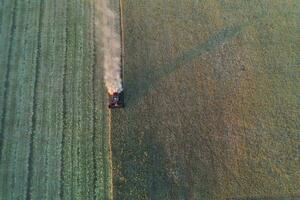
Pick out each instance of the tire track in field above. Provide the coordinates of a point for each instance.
(94, 101)
(64, 107)
(110, 154)
(7, 74)
(33, 128)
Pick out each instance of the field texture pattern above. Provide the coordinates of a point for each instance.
(53, 129)
(213, 105)
(212, 101)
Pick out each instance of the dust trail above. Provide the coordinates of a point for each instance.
(111, 47)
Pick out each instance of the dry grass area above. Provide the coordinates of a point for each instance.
(213, 105)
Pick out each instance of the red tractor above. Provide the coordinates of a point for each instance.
(116, 100)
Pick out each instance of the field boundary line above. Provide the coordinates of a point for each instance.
(64, 102)
(94, 45)
(111, 191)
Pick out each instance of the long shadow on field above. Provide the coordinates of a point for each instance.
(143, 168)
(140, 170)
(150, 77)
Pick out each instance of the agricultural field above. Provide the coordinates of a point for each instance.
(53, 127)
(211, 92)
(213, 105)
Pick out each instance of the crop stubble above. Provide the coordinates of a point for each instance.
(212, 103)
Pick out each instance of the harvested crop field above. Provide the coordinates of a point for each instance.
(211, 92)
(213, 105)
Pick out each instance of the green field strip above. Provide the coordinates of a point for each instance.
(77, 105)
(86, 105)
(55, 165)
(1, 14)
(10, 143)
(20, 129)
(6, 43)
(59, 60)
(79, 150)
(35, 88)
(46, 157)
(40, 139)
(26, 92)
(68, 135)
(55, 117)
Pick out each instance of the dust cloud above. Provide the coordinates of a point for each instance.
(111, 41)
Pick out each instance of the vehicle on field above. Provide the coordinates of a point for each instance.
(116, 100)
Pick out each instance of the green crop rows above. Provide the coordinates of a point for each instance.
(53, 120)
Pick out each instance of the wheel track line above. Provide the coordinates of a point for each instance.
(33, 125)
(42, 141)
(111, 191)
(94, 45)
(64, 101)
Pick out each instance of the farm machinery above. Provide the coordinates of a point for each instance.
(116, 100)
